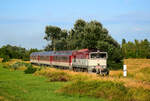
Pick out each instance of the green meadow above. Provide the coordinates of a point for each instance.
(17, 86)
(51, 84)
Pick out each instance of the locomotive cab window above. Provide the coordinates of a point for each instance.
(98, 55)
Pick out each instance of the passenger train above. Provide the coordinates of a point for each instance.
(78, 60)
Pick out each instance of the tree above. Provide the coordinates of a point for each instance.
(52, 33)
(136, 49)
(13, 52)
(79, 25)
(123, 49)
(123, 41)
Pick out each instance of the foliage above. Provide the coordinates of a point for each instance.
(91, 35)
(30, 69)
(17, 65)
(5, 58)
(13, 52)
(53, 34)
(136, 49)
(54, 75)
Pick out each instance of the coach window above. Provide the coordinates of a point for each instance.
(74, 58)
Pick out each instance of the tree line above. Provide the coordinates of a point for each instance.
(136, 49)
(8, 52)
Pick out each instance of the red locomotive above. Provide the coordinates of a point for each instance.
(77, 60)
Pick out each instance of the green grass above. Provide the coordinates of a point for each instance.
(17, 86)
(49, 84)
(105, 89)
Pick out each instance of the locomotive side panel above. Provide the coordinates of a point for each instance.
(80, 63)
(80, 59)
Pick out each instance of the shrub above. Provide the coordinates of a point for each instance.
(5, 59)
(30, 70)
(54, 74)
(19, 65)
(59, 76)
(115, 66)
(6, 66)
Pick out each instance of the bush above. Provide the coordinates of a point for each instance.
(30, 69)
(60, 76)
(6, 66)
(115, 66)
(19, 65)
(5, 59)
(25, 59)
(54, 74)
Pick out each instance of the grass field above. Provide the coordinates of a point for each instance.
(17, 86)
(49, 84)
(138, 73)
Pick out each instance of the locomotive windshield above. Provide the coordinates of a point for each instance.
(98, 55)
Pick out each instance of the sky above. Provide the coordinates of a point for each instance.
(22, 22)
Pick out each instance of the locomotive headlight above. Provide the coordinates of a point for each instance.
(93, 67)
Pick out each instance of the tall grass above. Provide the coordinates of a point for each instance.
(102, 89)
(113, 91)
(20, 65)
(54, 74)
(139, 69)
(115, 87)
(134, 87)
(1, 59)
(64, 75)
